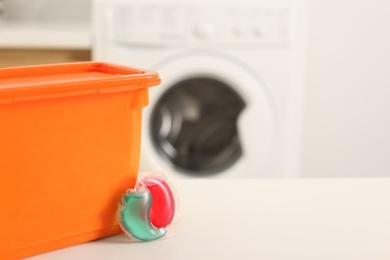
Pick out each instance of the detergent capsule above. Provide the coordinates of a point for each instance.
(149, 209)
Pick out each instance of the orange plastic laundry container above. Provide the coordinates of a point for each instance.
(69, 147)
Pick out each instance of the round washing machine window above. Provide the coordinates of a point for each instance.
(194, 125)
(212, 116)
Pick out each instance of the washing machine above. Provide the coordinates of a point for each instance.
(231, 100)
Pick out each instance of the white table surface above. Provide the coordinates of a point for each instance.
(264, 219)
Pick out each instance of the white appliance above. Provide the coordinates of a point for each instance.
(230, 103)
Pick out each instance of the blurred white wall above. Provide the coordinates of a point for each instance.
(47, 10)
(347, 131)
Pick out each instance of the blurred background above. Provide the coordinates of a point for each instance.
(346, 98)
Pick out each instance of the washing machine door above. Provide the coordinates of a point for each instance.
(211, 116)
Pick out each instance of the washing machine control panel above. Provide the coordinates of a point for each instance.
(219, 25)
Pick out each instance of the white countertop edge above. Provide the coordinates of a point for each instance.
(51, 36)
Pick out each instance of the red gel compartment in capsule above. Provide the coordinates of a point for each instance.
(163, 205)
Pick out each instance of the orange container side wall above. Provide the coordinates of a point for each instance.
(64, 164)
